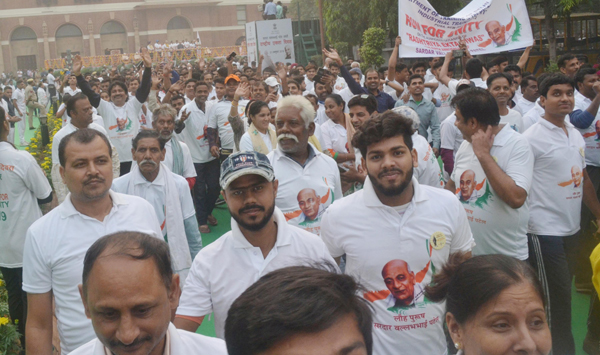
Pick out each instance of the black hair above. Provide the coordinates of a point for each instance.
(334, 64)
(337, 99)
(148, 133)
(478, 104)
(253, 108)
(474, 67)
(554, 79)
(526, 80)
(190, 81)
(581, 73)
(419, 65)
(467, 285)
(200, 83)
(222, 72)
(438, 65)
(495, 76)
(73, 100)
(135, 245)
(83, 136)
(498, 60)
(308, 300)
(177, 97)
(512, 67)
(384, 126)
(369, 102)
(400, 67)
(415, 76)
(563, 59)
(219, 80)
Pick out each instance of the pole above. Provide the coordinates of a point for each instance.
(322, 28)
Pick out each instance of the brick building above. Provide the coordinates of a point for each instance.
(34, 30)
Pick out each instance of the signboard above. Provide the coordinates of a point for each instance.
(275, 41)
(251, 44)
(487, 26)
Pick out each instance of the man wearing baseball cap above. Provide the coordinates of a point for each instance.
(259, 242)
(218, 121)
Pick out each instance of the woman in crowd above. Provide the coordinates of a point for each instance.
(259, 137)
(494, 305)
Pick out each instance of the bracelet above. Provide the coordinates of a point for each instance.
(335, 156)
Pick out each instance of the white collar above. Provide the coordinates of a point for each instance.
(67, 209)
(371, 199)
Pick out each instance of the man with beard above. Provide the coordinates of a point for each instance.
(56, 244)
(499, 85)
(170, 196)
(178, 158)
(395, 218)
(195, 135)
(130, 275)
(297, 164)
(259, 242)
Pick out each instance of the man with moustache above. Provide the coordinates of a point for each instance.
(168, 193)
(56, 244)
(259, 242)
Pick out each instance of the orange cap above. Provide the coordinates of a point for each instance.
(234, 77)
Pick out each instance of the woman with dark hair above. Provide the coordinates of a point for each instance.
(259, 137)
(494, 305)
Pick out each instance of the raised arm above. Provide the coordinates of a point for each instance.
(352, 84)
(394, 60)
(524, 58)
(237, 125)
(282, 73)
(444, 79)
(83, 84)
(144, 90)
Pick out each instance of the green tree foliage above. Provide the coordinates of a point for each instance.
(309, 10)
(370, 52)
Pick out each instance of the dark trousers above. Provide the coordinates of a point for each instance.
(124, 168)
(548, 256)
(271, 17)
(584, 242)
(206, 189)
(17, 298)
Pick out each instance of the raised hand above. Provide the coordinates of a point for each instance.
(146, 58)
(184, 116)
(243, 90)
(398, 41)
(281, 71)
(77, 65)
(333, 55)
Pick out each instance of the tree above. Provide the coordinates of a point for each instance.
(308, 10)
(370, 52)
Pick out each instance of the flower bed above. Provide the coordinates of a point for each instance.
(9, 336)
(41, 153)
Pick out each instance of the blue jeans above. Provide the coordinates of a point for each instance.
(548, 256)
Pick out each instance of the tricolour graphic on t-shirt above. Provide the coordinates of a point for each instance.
(473, 192)
(123, 125)
(576, 178)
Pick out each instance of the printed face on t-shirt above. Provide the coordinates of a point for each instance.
(467, 185)
(400, 280)
(309, 203)
(576, 175)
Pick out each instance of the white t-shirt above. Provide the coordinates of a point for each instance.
(42, 95)
(154, 192)
(65, 131)
(22, 183)
(218, 118)
(514, 120)
(19, 96)
(122, 124)
(195, 133)
(557, 188)
(212, 287)
(451, 136)
(334, 137)
(340, 84)
(533, 115)
(523, 106)
(65, 117)
(246, 141)
(591, 134)
(51, 79)
(497, 227)
(453, 84)
(54, 251)
(319, 174)
(372, 234)
(443, 95)
(321, 117)
(68, 90)
(428, 172)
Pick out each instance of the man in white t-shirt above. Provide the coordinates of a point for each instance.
(499, 85)
(492, 176)
(442, 93)
(121, 114)
(395, 219)
(451, 139)
(23, 188)
(170, 196)
(555, 201)
(79, 106)
(474, 71)
(260, 241)
(56, 244)
(298, 165)
(130, 273)
(218, 121)
(18, 99)
(530, 93)
(206, 164)
(69, 85)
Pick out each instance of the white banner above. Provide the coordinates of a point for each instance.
(487, 26)
(275, 41)
(251, 47)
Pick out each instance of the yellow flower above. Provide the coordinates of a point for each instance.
(3, 320)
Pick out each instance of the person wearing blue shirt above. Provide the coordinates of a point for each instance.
(270, 12)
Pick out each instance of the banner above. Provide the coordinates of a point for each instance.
(276, 41)
(251, 42)
(487, 26)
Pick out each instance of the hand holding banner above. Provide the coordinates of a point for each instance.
(487, 26)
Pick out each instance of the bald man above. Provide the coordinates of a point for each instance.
(468, 193)
(497, 33)
(400, 280)
(576, 176)
(310, 204)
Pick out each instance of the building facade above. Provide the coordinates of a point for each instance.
(32, 31)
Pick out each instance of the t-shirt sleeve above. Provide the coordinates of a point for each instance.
(246, 143)
(196, 299)
(36, 180)
(37, 274)
(520, 166)
(189, 171)
(452, 86)
(187, 204)
(456, 160)
(462, 240)
(328, 234)
(337, 191)
(447, 136)
(136, 105)
(326, 143)
(212, 117)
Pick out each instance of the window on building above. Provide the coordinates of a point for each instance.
(241, 14)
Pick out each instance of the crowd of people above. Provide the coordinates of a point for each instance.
(406, 209)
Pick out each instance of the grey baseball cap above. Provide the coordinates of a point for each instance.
(245, 163)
